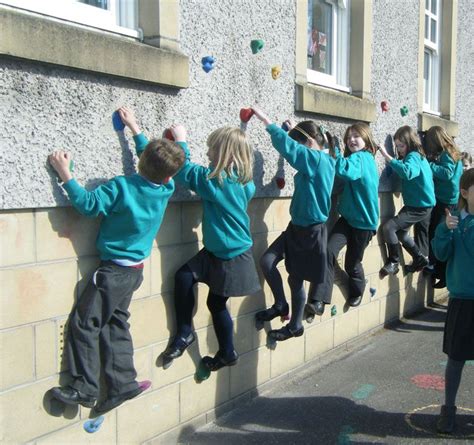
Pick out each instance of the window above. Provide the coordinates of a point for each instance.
(432, 56)
(328, 43)
(119, 16)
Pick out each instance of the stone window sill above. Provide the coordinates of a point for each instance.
(426, 120)
(34, 37)
(313, 99)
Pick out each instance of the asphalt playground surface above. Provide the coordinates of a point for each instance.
(386, 388)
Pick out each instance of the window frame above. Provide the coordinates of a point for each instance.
(76, 12)
(341, 44)
(431, 86)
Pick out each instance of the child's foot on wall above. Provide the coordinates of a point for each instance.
(273, 312)
(71, 396)
(220, 360)
(355, 301)
(115, 401)
(285, 333)
(178, 346)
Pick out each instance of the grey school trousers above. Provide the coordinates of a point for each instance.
(98, 332)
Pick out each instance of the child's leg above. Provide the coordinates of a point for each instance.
(115, 338)
(184, 300)
(421, 234)
(357, 243)
(453, 379)
(436, 217)
(222, 321)
(337, 240)
(268, 263)
(298, 300)
(82, 346)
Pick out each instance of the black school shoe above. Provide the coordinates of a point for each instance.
(285, 333)
(219, 361)
(71, 396)
(115, 401)
(446, 421)
(354, 301)
(273, 312)
(178, 346)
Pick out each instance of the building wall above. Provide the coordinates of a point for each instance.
(47, 257)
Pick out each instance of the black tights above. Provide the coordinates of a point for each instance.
(453, 379)
(184, 301)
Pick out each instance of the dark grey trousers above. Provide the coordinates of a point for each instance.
(356, 240)
(98, 331)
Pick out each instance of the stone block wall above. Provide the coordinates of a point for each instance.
(47, 255)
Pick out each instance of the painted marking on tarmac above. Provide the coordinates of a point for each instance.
(363, 392)
(409, 421)
(343, 437)
(428, 381)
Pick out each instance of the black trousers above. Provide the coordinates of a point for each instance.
(356, 240)
(98, 331)
(437, 216)
(396, 229)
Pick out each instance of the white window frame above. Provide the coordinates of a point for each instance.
(432, 49)
(340, 48)
(119, 18)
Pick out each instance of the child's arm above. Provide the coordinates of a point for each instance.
(97, 202)
(128, 118)
(445, 168)
(191, 175)
(407, 169)
(298, 156)
(442, 242)
(349, 168)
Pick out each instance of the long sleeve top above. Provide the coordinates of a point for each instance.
(457, 248)
(446, 175)
(132, 208)
(313, 181)
(359, 203)
(225, 222)
(417, 180)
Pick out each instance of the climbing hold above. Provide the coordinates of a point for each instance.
(372, 291)
(207, 63)
(93, 425)
(385, 106)
(280, 182)
(202, 372)
(256, 46)
(404, 110)
(246, 114)
(144, 384)
(168, 134)
(71, 166)
(117, 121)
(284, 126)
(333, 311)
(276, 71)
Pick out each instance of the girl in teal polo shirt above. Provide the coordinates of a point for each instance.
(447, 169)
(454, 243)
(304, 243)
(418, 198)
(359, 210)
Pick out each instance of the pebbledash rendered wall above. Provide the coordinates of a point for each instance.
(47, 249)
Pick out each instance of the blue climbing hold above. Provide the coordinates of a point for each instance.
(284, 126)
(372, 291)
(93, 425)
(117, 121)
(207, 63)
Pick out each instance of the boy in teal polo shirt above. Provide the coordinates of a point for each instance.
(132, 208)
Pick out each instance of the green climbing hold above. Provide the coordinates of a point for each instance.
(404, 110)
(203, 372)
(333, 311)
(71, 166)
(256, 46)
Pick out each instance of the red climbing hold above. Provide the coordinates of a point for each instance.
(280, 182)
(168, 134)
(385, 106)
(246, 114)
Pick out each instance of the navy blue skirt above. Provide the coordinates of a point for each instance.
(458, 341)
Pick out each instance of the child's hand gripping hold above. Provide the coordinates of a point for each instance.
(179, 132)
(60, 161)
(128, 118)
(261, 116)
(451, 221)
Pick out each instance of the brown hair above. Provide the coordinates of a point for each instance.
(364, 131)
(438, 140)
(230, 152)
(466, 181)
(309, 128)
(407, 136)
(466, 159)
(160, 160)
